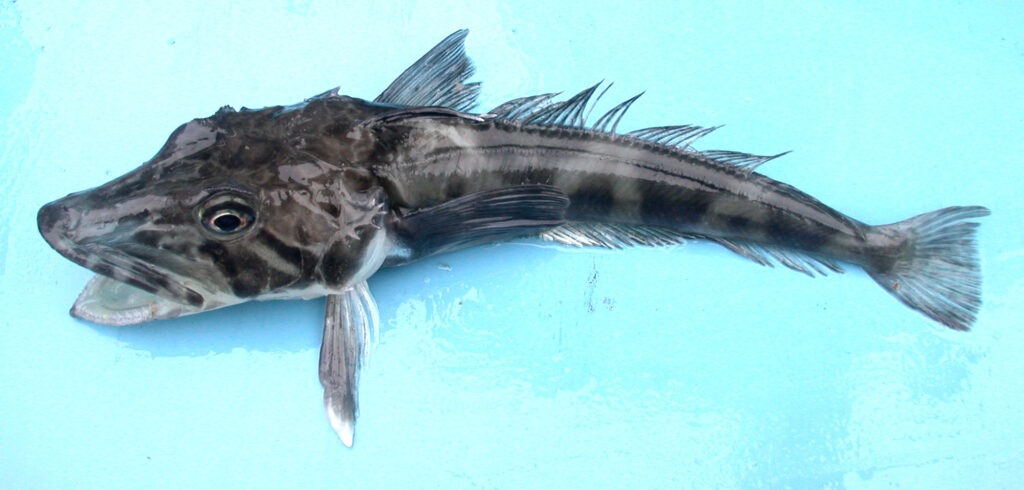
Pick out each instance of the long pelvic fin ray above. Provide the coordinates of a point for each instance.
(351, 326)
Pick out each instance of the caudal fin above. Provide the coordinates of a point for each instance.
(938, 274)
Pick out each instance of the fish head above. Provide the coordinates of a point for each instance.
(243, 205)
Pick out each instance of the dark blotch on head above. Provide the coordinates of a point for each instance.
(358, 179)
(302, 236)
(160, 281)
(132, 219)
(149, 238)
(341, 260)
(194, 298)
(289, 253)
(249, 274)
(330, 209)
(219, 255)
(103, 270)
(244, 288)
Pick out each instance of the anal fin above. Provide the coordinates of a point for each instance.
(610, 235)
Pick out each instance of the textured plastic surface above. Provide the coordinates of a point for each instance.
(522, 365)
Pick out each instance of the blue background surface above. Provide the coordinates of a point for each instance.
(522, 365)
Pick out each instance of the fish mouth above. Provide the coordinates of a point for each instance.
(126, 290)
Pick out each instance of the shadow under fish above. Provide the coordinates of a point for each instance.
(312, 199)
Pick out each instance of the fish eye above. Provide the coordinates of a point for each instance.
(227, 215)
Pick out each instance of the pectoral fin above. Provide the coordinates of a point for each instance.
(477, 218)
(350, 327)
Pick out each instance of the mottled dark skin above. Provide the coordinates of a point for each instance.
(300, 168)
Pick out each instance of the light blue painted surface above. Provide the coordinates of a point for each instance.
(527, 366)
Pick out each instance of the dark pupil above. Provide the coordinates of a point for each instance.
(227, 222)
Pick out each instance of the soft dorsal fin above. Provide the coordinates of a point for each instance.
(571, 113)
(746, 162)
(679, 136)
(614, 115)
(437, 79)
(574, 112)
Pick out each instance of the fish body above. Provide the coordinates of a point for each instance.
(312, 199)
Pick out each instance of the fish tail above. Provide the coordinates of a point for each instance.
(937, 271)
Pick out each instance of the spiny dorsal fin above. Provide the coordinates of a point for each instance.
(437, 79)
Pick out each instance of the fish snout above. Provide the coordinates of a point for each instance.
(60, 222)
(55, 221)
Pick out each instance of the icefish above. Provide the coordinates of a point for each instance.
(311, 199)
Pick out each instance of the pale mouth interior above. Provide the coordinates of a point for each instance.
(111, 302)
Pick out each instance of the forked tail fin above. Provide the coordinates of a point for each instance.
(938, 273)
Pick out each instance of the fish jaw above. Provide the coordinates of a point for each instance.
(126, 290)
(111, 302)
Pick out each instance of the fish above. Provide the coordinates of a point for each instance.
(311, 199)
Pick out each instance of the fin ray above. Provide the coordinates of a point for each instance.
(746, 162)
(767, 255)
(681, 136)
(614, 115)
(522, 107)
(569, 113)
(480, 217)
(617, 236)
(939, 274)
(351, 326)
(438, 78)
(611, 235)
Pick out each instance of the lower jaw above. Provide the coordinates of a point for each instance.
(110, 302)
